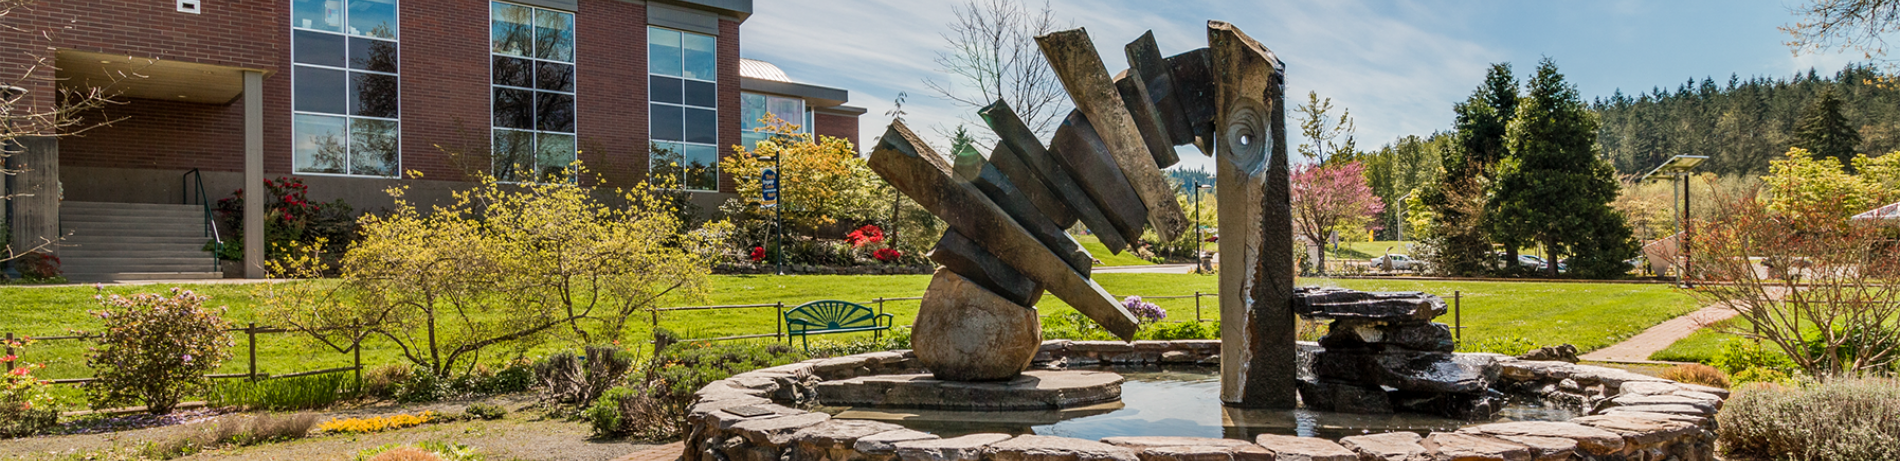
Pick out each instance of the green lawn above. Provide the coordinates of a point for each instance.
(1094, 245)
(1701, 346)
(1587, 315)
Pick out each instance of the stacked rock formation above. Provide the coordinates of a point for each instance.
(1383, 352)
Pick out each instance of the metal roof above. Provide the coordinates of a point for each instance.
(762, 70)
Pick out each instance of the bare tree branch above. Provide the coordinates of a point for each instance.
(993, 56)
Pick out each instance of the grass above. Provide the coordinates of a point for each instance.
(1095, 247)
(1701, 346)
(1587, 315)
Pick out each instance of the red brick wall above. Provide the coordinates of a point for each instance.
(837, 126)
(445, 89)
(161, 134)
(729, 117)
(610, 50)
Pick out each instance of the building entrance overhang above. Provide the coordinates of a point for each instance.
(152, 78)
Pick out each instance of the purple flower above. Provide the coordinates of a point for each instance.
(1143, 310)
(187, 358)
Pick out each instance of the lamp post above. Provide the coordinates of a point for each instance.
(1676, 169)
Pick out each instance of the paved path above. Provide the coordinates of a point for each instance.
(1638, 348)
(668, 452)
(1149, 269)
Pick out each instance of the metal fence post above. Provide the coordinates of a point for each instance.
(251, 332)
(1457, 316)
(1197, 307)
(778, 323)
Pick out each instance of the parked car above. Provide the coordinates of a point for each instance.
(1525, 261)
(1399, 262)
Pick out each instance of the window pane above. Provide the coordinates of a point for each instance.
(702, 94)
(554, 35)
(318, 48)
(513, 71)
(374, 95)
(554, 112)
(320, 90)
(701, 167)
(750, 139)
(508, 29)
(751, 109)
(666, 123)
(554, 76)
(317, 14)
(664, 89)
(514, 151)
(663, 51)
(554, 155)
(663, 164)
(702, 126)
(317, 143)
(372, 54)
(514, 108)
(699, 57)
(373, 147)
(375, 18)
(790, 111)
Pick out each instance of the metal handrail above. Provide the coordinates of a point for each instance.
(211, 228)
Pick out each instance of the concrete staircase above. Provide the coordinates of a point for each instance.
(134, 241)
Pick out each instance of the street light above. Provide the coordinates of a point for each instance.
(1677, 170)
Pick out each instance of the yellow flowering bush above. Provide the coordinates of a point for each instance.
(377, 423)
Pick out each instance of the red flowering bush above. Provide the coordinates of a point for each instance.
(758, 254)
(868, 235)
(155, 349)
(289, 217)
(26, 407)
(38, 266)
(888, 255)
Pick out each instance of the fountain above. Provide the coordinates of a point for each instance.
(977, 336)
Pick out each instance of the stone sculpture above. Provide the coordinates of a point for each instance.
(1102, 169)
(1380, 341)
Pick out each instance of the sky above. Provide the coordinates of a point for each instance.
(1397, 66)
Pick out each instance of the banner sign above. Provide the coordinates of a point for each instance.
(768, 187)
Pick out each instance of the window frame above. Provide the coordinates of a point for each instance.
(533, 61)
(348, 124)
(683, 106)
(805, 113)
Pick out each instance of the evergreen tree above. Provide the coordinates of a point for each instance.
(1552, 189)
(1825, 132)
(1458, 244)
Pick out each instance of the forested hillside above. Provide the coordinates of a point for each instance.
(1740, 124)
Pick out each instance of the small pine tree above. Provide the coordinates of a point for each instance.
(1553, 190)
(1824, 131)
(1459, 242)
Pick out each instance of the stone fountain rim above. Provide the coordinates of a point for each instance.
(743, 412)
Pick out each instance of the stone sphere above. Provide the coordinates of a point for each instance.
(966, 333)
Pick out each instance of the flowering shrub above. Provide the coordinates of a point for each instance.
(289, 217)
(25, 405)
(869, 234)
(38, 266)
(758, 254)
(888, 255)
(155, 349)
(1145, 312)
(376, 423)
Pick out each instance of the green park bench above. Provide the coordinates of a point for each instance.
(830, 316)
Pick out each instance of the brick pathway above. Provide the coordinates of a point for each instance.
(668, 452)
(1638, 348)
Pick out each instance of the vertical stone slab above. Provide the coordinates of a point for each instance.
(35, 203)
(1019, 173)
(1194, 86)
(905, 162)
(1076, 63)
(1147, 118)
(1258, 364)
(1146, 62)
(961, 255)
(971, 167)
(1014, 134)
(1079, 149)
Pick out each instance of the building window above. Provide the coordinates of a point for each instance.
(683, 94)
(532, 77)
(754, 107)
(345, 96)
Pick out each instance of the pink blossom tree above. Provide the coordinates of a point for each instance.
(1330, 196)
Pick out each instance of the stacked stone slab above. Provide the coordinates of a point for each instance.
(1382, 353)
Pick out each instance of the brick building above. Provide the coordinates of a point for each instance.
(354, 96)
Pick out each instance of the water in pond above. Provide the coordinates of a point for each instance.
(1182, 401)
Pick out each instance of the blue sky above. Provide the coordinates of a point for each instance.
(1398, 66)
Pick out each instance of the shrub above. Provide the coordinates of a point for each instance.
(377, 423)
(656, 408)
(516, 376)
(39, 266)
(1182, 330)
(610, 414)
(155, 350)
(1739, 356)
(422, 386)
(382, 382)
(289, 217)
(579, 380)
(232, 431)
(296, 393)
(1696, 373)
(1840, 419)
(485, 410)
(425, 451)
(26, 406)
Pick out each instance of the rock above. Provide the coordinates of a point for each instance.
(1134, 94)
(1340, 303)
(1047, 448)
(1467, 406)
(961, 255)
(1545, 448)
(1033, 390)
(1559, 353)
(1176, 357)
(1248, 452)
(1352, 334)
(964, 332)
(1716, 391)
(1158, 441)
(1408, 370)
(1146, 63)
(776, 432)
(1647, 388)
(1289, 448)
(965, 448)
(1390, 446)
(1327, 395)
(1468, 447)
(1592, 440)
(1673, 409)
(1078, 147)
(884, 443)
(1702, 407)
(1528, 370)
(1614, 378)
(835, 439)
(1639, 429)
(1711, 398)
